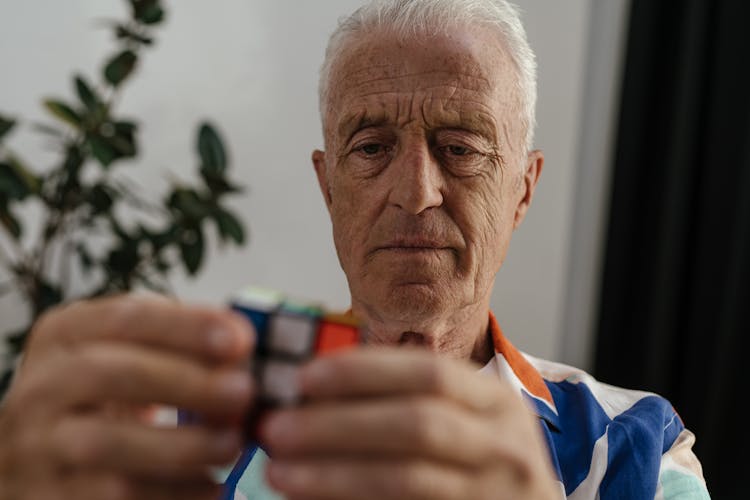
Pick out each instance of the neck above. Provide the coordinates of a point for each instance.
(460, 334)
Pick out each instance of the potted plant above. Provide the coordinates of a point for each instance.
(94, 218)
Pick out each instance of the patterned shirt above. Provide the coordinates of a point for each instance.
(605, 442)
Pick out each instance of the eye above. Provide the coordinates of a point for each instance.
(371, 149)
(458, 150)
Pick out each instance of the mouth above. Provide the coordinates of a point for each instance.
(413, 249)
(413, 246)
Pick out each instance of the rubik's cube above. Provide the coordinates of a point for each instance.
(289, 333)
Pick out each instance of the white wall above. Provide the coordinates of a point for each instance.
(251, 66)
(598, 112)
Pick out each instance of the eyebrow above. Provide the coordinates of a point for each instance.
(475, 122)
(354, 122)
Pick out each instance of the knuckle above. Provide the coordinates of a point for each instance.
(27, 444)
(92, 367)
(423, 422)
(121, 313)
(47, 325)
(409, 480)
(31, 390)
(193, 448)
(437, 376)
(82, 444)
(428, 434)
(117, 488)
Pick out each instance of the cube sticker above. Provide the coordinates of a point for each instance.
(291, 335)
(279, 382)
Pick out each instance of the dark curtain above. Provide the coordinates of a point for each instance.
(674, 316)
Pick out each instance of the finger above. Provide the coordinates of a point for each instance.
(89, 442)
(419, 427)
(110, 372)
(398, 371)
(208, 333)
(110, 486)
(367, 479)
(87, 486)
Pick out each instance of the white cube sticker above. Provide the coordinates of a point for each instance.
(292, 335)
(280, 382)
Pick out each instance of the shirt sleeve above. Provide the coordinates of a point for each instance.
(680, 473)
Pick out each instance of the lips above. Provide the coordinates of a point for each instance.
(414, 244)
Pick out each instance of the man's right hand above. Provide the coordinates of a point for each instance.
(73, 426)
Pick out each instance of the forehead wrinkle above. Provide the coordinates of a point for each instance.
(456, 79)
(435, 112)
(472, 120)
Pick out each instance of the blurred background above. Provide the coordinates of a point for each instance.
(633, 261)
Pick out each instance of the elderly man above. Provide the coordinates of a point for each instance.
(428, 117)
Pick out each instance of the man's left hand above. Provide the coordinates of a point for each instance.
(406, 423)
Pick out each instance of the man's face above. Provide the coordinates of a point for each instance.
(425, 175)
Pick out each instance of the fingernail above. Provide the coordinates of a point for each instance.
(220, 341)
(235, 384)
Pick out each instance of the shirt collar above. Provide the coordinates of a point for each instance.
(513, 367)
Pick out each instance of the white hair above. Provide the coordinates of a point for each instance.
(412, 17)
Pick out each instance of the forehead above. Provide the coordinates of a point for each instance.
(464, 75)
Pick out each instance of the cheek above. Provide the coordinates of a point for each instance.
(486, 218)
(352, 214)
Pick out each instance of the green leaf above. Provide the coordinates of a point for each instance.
(124, 139)
(229, 226)
(49, 295)
(63, 112)
(5, 125)
(122, 32)
(147, 11)
(217, 183)
(123, 259)
(86, 94)
(101, 198)
(162, 266)
(32, 182)
(10, 223)
(165, 238)
(211, 149)
(189, 204)
(102, 150)
(112, 141)
(191, 249)
(6, 379)
(12, 185)
(16, 340)
(74, 159)
(125, 127)
(120, 66)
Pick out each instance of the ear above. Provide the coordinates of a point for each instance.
(319, 162)
(534, 164)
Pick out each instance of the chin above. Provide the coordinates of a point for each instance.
(414, 303)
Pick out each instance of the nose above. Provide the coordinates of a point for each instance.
(417, 180)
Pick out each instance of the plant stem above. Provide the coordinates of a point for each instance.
(129, 190)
